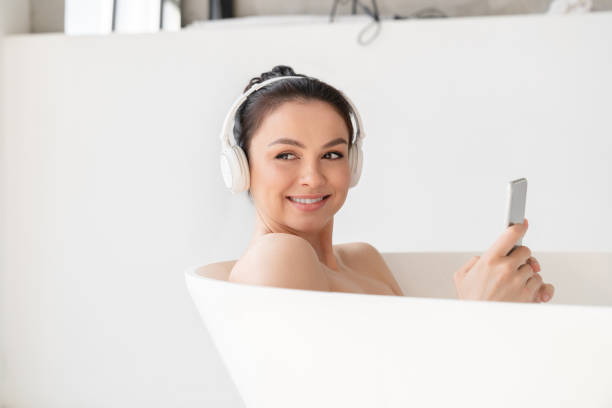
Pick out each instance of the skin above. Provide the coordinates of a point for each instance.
(320, 166)
(279, 170)
(309, 170)
(501, 277)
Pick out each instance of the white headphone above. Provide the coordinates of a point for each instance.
(234, 164)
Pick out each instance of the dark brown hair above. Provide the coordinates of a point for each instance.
(251, 113)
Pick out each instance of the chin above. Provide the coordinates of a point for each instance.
(312, 224)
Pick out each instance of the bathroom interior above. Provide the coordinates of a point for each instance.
(112, 203)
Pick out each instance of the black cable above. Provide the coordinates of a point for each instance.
(429, 12)
(376, 22)
(374, 14)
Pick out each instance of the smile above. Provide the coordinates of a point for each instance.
(308, 204)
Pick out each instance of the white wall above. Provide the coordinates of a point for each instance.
(111, 186)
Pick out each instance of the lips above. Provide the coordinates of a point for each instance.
(310, 196)
(309, 207)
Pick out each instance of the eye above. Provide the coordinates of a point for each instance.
(340, 155)
(283, 155)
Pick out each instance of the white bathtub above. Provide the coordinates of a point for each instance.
(300, 348)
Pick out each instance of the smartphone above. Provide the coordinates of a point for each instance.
(515, 208)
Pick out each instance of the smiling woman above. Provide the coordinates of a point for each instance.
(297, 152)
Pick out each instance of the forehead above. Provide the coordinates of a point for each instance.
(308, 121)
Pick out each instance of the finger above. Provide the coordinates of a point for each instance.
(534, 264)
(540, 294)
(517, 244)
(467, 266)
(534, 283)
(507, 240)
(545, 290)
(519, 257)
(548, 290)
(524, 273)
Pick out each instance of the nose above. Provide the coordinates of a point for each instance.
(311, 174)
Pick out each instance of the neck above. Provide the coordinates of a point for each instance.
(321, 240)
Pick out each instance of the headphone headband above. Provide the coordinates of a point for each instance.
(228, 123)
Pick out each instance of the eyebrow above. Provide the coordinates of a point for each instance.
(285, 140)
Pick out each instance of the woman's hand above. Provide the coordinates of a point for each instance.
(501, 277)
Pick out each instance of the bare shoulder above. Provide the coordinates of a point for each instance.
(280, 260)
(359, 251)
(368, 258)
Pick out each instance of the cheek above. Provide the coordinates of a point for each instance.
(269, 174)
(344, 176)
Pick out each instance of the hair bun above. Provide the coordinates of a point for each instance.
(277, 71)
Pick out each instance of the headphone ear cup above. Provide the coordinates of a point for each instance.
(235, 169)
(244, 179)
(355, 163)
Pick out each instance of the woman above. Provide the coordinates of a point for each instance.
(296, 134)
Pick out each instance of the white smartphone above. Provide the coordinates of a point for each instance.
(515, 208)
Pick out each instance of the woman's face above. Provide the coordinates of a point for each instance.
(300, 148)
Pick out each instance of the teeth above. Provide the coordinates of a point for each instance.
(306, 200)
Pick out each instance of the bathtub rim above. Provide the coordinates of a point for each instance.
(192, 278)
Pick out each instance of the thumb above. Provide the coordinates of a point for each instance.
(461, 272)
(507, 240)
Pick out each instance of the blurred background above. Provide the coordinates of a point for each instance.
(49, 16)
(110, 186)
